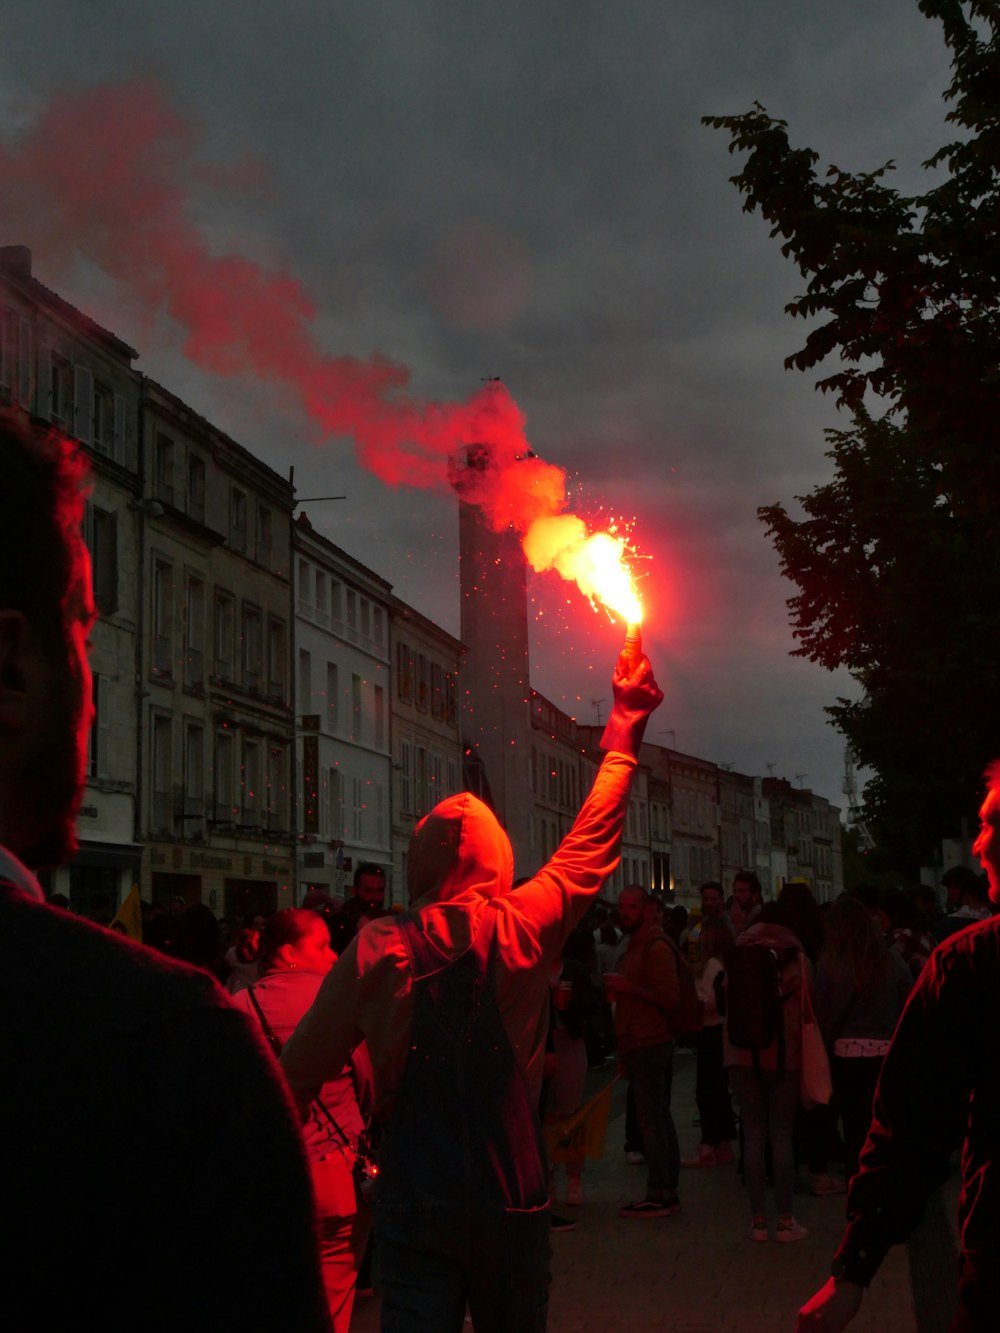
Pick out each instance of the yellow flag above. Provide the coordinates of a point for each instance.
(128, 919)
(582, 1133)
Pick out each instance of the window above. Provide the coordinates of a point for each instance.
(251, 782)
(378, 625)
(194, 773)
(305, 583)
(163, 468)
(194, 649)
(450, 699)
(238, 520)
(251, 647)
(276, 659)
(8, 355)
(305, 681)
(422, 682)
(379, 717)
(379, 833)
(61, 390)
(356, 708)
(358, 805)
(101, 535)
(196, 487)
(276, 818)
(421, 775)
(366, 617)
(321, 597)
(332, 696)
(224, 776)
(162, 768)
(406, 778)
(264, 535)
(163, 617)
(225, 634)
(336, 593)
(352, 609)
(335, 811)
(404, 672)
(437, 690)
(104, 420)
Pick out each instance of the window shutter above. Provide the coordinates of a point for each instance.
(44, 386)
(24, 363)
(83, 404)
(118, 445)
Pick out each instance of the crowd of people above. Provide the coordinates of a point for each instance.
(199, 1183)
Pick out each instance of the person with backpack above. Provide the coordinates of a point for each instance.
(647, 991)
(764, 973)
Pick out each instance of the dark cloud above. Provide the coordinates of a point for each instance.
(526, 190)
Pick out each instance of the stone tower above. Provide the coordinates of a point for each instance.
(495, 692)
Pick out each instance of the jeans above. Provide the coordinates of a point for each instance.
(501, 1269)
(712, 1090)
(855, 1079)
(649, 1070)
(768, 1101)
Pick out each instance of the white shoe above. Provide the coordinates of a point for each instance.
(788, 1230)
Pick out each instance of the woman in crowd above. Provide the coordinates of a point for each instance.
(766, 1081)
(295, 956)
(861, 987)
(715, 1110)
(905, 931)
(242, 957)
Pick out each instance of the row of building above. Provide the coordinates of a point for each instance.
(268, 713)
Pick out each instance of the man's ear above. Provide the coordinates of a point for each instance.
(19, 662)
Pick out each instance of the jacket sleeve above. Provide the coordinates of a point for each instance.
(920, 1113)
(551, 903)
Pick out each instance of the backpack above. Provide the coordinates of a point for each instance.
(755, 998)
(688, 1019)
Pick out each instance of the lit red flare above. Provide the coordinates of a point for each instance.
(595, 561)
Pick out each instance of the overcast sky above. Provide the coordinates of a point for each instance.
(525, 190)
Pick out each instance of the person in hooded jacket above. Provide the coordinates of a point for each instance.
(452, 998)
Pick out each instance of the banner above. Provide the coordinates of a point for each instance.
(581, 1134)
(128, 918)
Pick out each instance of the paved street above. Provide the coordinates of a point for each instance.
(699, 1271)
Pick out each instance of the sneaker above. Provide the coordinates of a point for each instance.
(650, 1208)
(788, 1230)
(758, 1229)
(706, 1157)
(825, 1184)
(557, 1223)
(574, 1192)
(634, 1158)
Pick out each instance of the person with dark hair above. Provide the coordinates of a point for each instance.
(747, 900)
(904, 930)
(295, 956)
(367, 904)
(800, 912)
(861, 987)
(199, 942)
(452, 997)
(970, 893)
(172, 1092)
(646, 992)
(939, 1088)
(715, 1107)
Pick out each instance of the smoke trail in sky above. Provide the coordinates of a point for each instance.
(106, 174)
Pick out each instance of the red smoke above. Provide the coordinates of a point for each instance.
(105, 175)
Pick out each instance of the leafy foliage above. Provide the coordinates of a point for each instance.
(897, 558)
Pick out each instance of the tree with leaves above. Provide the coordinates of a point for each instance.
(897, 558)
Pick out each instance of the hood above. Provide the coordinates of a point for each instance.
(459, 848)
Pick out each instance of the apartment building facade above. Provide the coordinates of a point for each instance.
(216, 739)
(343, 713)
